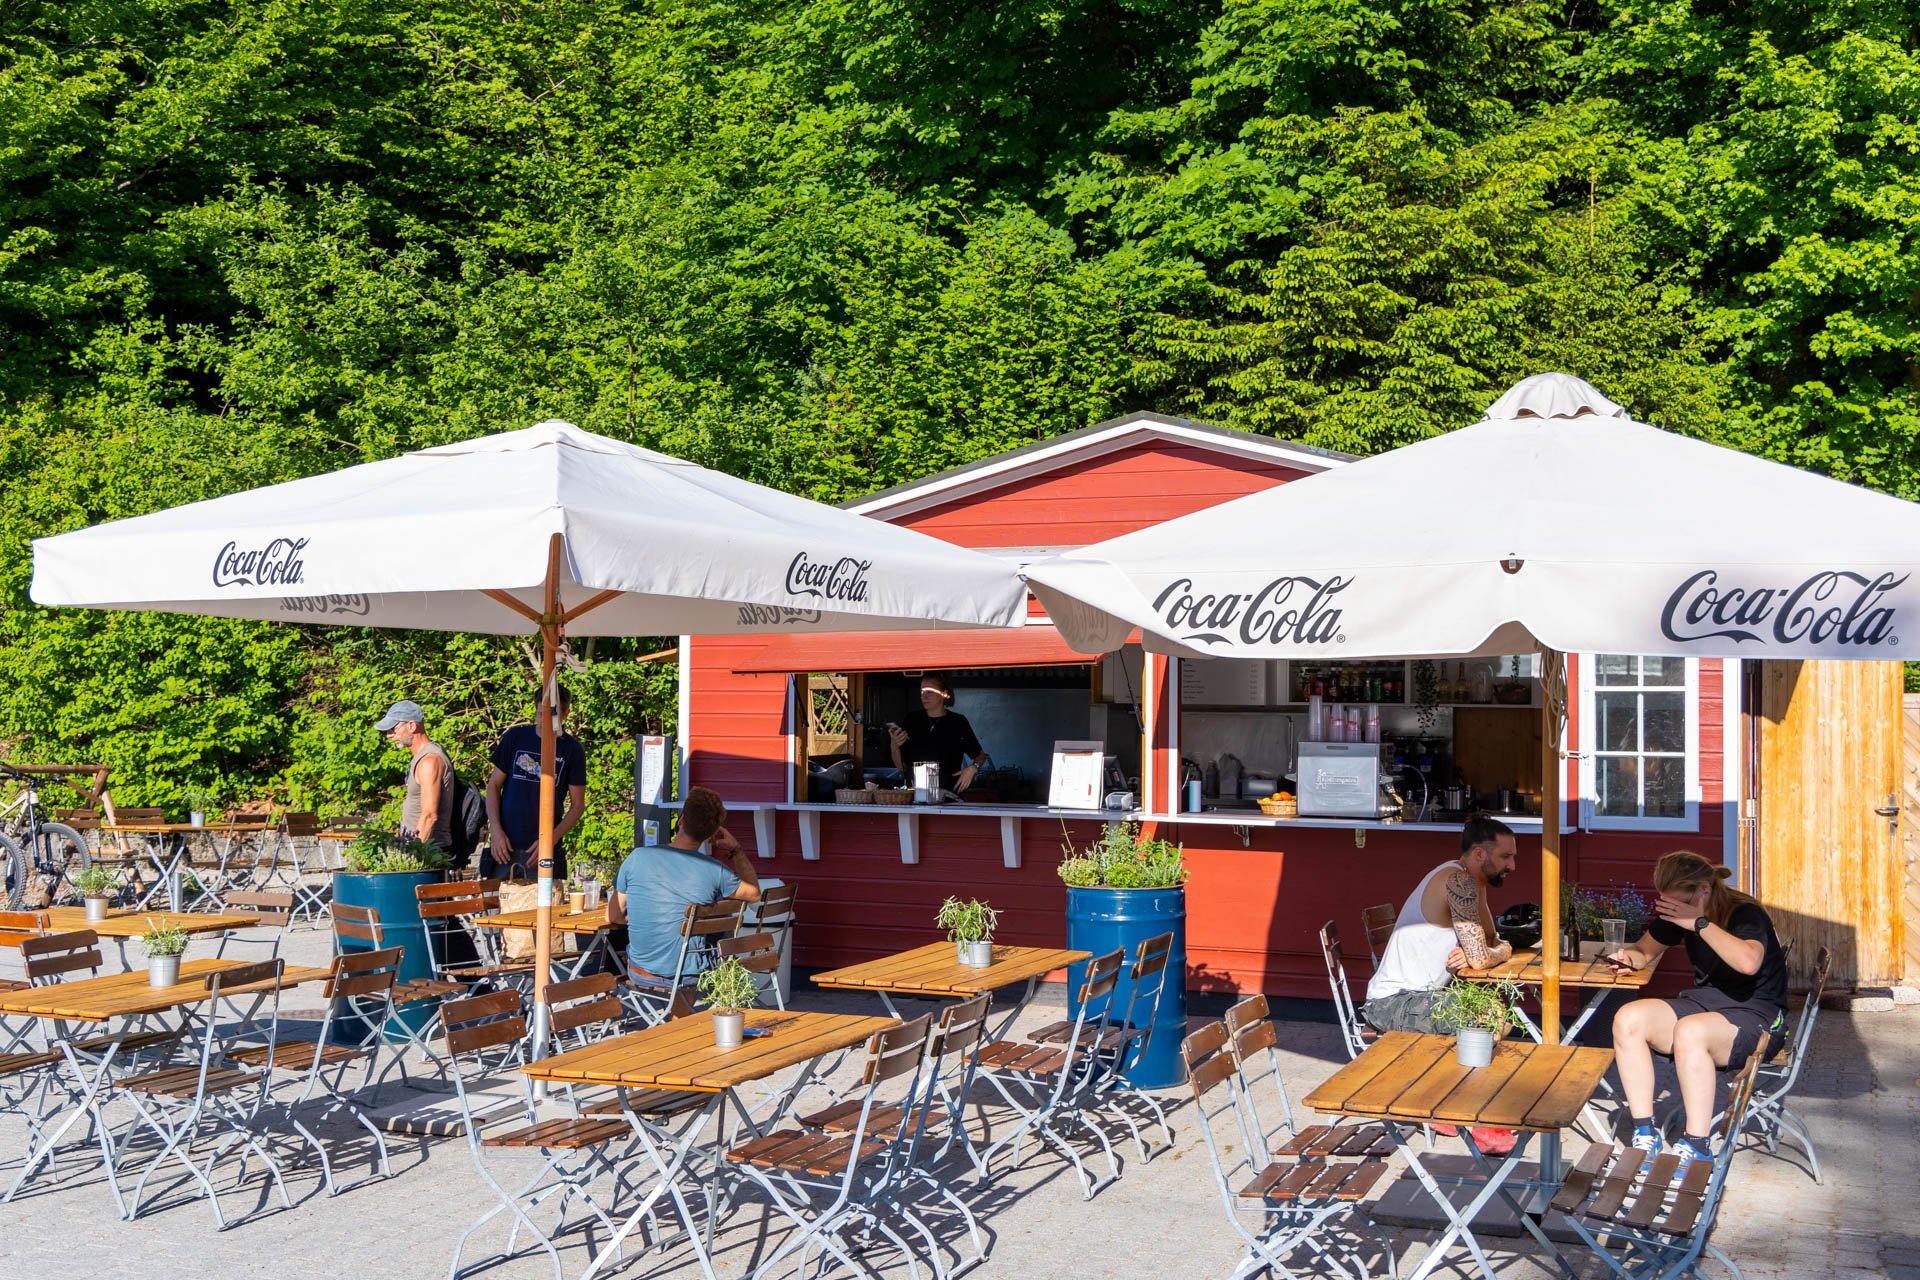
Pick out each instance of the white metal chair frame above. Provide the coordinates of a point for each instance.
(1353, 1032)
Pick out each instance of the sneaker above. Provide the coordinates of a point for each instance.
(1494, 1142)
(1685, 1153)
(1647, 1139)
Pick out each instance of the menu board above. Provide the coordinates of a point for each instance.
(1223, 682)
(1078, 770)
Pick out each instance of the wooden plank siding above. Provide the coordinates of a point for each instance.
(1104, 497)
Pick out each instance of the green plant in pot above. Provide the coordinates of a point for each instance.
(1122, 859)
(970, 927)
(376, 852)
(199, 804)
(162, 947)
(729, 990)
(96, 885)
(1478, 1013)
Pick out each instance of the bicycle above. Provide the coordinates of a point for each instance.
(31, 844)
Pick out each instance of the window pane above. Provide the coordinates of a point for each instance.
(1666, 788)
(1670, 672)
(1617, 787)
(1666, 715)
(1618, 727)
(1616, 668)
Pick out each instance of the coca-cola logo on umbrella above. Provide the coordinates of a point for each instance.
(1837, 606)
(843, 580)
(1287, 610)
(276, 564)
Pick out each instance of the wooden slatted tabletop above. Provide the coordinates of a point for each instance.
(681, 1054)
(1416, 1079)
(563, 921)
(1524, 967)
(934, 970)
(130, 922)
(125, 995)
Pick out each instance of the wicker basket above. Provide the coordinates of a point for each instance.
(1279, 808)
(892, 795)
(852, 795)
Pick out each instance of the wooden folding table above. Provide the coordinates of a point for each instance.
(935, 971)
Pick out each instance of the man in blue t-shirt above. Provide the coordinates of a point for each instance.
(513, 796)
(656, 886)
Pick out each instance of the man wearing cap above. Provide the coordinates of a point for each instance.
(428, 812)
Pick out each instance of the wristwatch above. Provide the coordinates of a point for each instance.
(1700, 923)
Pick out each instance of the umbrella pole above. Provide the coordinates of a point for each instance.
(543, 906)
(1553, 700)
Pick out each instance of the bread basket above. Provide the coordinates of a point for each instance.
(892, 795)
(1288, 808)
(852, 795)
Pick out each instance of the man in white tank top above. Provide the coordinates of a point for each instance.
(1445, 925)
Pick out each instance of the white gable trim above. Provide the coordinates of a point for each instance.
(1094, 442)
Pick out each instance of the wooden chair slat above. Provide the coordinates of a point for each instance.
(1613, 1191)
(1263, 1181)
(1210, 1073)
(1365, 1175)
(562, 1132)
(1653, 1191)
(1579, 1179)
(1689, 1199)
(1328, 1184)
(1311, 1135)
(1366, 1140)
(1297, 1179)
(486, 1035)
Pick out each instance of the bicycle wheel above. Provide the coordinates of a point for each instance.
(13, 860)
(62, 854)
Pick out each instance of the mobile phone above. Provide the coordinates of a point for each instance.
(751, 1032)
(1618, 963)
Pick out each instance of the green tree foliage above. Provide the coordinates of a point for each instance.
(831, 246)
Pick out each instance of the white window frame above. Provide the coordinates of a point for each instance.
(1590, 817)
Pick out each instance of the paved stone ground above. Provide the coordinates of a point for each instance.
(1162, 1218)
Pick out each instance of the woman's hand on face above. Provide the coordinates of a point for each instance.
(1678, 911)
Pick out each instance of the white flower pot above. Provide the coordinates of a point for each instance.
(97, 909)
(1474, 1047)
(163, 971)
(727, 1028)
(977, 955)
(197, 818)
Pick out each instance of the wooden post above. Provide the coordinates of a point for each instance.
(543, 903)
(1553, 702)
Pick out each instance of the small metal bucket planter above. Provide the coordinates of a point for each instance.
(1473, 1047)
(976, 955)
(97, 909)
(163, 971)
(729, 1027)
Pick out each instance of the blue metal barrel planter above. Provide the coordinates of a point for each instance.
(391, 894)
(1101, 919)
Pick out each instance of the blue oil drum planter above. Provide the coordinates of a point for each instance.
(1105, 917)
(391, 893)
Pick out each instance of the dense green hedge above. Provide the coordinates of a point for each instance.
(832, 245)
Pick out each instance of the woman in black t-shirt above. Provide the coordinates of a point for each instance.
(1736, 1007)
(937, 733)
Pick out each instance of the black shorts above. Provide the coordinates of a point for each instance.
(1758, 1026)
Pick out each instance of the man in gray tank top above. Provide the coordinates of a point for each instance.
(428, 811)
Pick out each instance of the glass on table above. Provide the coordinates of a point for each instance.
(1613, 932)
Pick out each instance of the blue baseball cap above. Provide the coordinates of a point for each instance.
(399, 712)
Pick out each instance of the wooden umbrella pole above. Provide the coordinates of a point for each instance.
(543, 904)
(1553, 701)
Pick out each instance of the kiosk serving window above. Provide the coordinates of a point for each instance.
(1640, 732)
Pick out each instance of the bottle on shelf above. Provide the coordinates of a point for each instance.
(1481, 685)
(1458, 690)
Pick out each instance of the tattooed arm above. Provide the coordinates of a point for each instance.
(1469, 923)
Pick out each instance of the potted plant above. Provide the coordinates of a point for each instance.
(1122, 890)
(970, 927)
(162, 947)
(96, 884)
(1514, 691)
(1477, 1013)
(199, 804)
(729, 990)
(382, 871)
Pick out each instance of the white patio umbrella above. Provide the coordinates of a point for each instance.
(550, 530)
(1556, 523)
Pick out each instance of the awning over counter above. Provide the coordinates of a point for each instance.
(1034, 645)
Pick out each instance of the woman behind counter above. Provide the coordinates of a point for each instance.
(939, 734)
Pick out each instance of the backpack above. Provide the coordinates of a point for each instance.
(469, 823)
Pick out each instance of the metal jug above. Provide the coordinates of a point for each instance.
(926, 782)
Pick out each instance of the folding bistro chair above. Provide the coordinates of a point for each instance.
(176, 1102)
(1297, 1190)
(455, 903)
(362, 924)
(1378, 922)
(361, 985)
(651, 995)
(485, 1038)
(759, 954)
(1355, 1034)
(300, 845)
(1053, 1086)
(829, 1183)
(15, 928)
(1636, 1218)
(49, 957)
(275, 911)
(1255, 1045)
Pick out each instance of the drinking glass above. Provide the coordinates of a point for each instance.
(1613, 932)
(592, 890)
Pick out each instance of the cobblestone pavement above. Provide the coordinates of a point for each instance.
(1163, 1218)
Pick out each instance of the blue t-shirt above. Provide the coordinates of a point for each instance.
(660, 884)
(518, 756)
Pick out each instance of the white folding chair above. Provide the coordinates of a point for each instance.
(1355, 1035)
(651, 995)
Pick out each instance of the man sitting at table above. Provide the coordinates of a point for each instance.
(1445, 925)
(657, 885)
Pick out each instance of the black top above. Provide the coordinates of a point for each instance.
(518, 756)
(1749, 920)
(947, 741)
